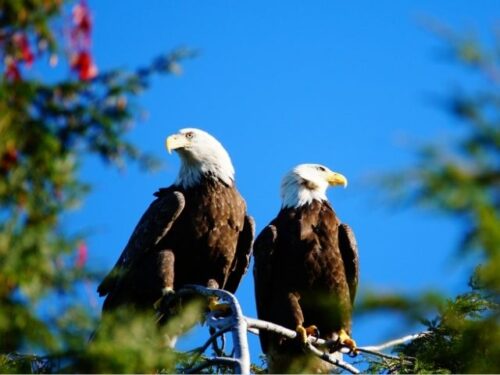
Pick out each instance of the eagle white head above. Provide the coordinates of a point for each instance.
(308, 182)
(201, 155)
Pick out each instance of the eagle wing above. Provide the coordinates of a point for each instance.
(152, 227)
(349, 250)
(263, 252)
(243, 253)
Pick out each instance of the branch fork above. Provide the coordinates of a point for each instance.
(239, 326)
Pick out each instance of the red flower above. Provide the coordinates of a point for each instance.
(83, 64)
(81, 61)
(23, 45)
(82, 255)
(83, 23)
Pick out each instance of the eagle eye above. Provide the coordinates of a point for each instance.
(189, 135)
(321, 168)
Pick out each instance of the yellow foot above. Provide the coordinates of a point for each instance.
(214, 305)
(164, 292)
(346, 341)
(303, 332)
(312, 331)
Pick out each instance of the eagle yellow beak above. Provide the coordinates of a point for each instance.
(174, 142)
(335, 179)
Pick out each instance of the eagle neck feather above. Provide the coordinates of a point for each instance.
(295, 195)
(192, 174)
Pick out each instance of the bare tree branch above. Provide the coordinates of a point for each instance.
(291, 334)
(388, 344)
(313, 342)
(200, 350)
(236, 322)
(330, 359)
(255, 331)
(268, 326)
(240, 326)
(377, 353)
(219, 350)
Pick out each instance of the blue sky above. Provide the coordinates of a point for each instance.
(345, 84)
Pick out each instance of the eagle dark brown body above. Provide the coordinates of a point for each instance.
(199, 235)
(306, 273)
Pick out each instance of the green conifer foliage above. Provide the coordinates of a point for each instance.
(460, 178)
(45, 130)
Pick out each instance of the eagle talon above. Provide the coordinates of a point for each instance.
(304, 332)
(215, 306)
(301, 334)
(312, 331)
(347, 342)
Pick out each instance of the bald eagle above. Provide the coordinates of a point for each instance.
(305, 270)
(196, 231)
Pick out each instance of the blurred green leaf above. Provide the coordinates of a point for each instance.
(461, 179)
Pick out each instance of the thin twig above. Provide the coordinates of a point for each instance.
(219, 350)
(200, 350)
(378, 354)
(402, 340)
